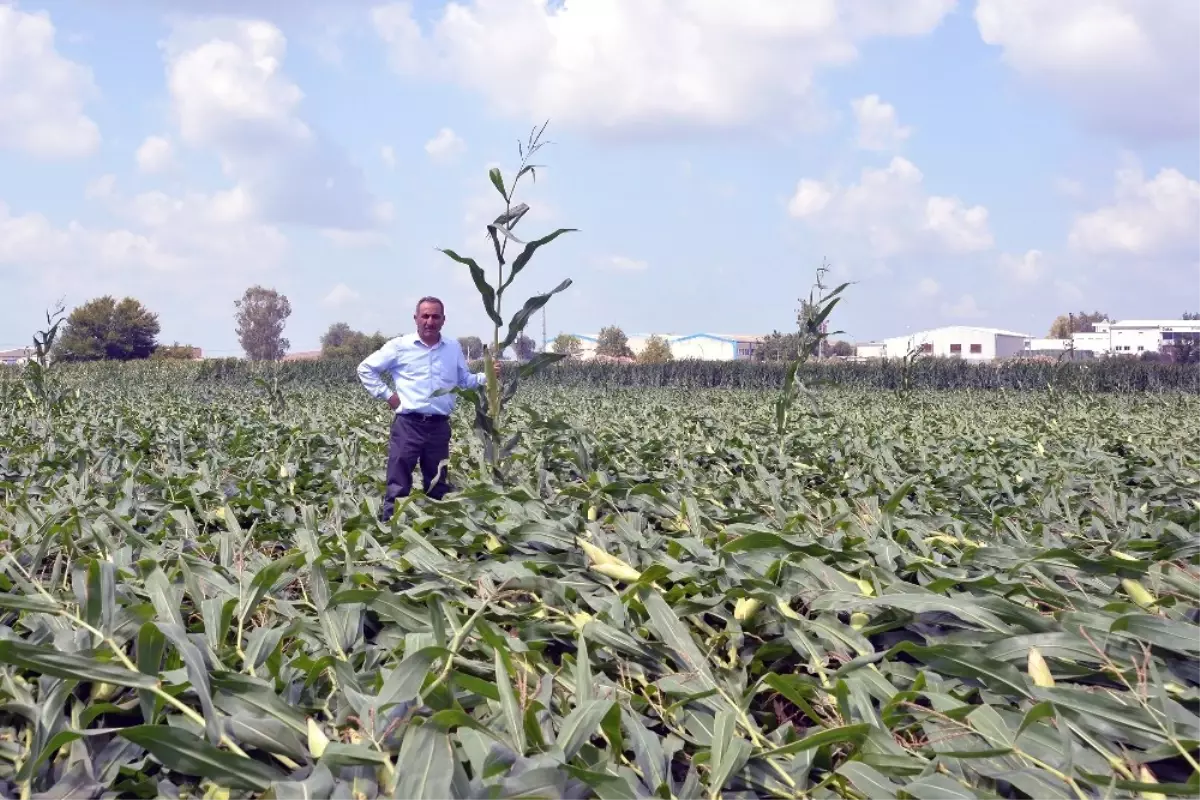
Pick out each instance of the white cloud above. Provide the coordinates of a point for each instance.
(155, 154)
(879, 126)
(624, 264)
(230, 94)
(42, 93)
(355, 239)
(928, 287)
(340, 295)
(445, 145)
(964, 308)
(207, 237)
(388, 155)
(1126, 66)
(1155, 218)
(633, 65)
(811, 197)
(889, 209)
(1027, 268)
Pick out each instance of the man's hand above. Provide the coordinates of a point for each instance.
(394, 401)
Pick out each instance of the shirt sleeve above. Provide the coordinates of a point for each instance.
(466, 379)
(371, 367)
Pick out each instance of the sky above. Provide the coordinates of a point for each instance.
(983, 162)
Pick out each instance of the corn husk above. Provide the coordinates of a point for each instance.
(1039, 670)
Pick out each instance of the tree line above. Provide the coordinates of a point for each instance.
(107, 329)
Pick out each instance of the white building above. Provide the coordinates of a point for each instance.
(1127, 337)
(1133, 336)
(957, 341)
(703, 346)
(16, 357)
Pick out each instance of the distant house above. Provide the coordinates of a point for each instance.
(303, 355)
(16, 357)
(968, 342)
(703, 346)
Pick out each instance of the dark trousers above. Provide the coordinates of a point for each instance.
(416, 439)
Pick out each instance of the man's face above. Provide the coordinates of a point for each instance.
(429, 319)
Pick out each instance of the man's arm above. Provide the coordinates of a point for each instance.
(372, 366)
(466, 378)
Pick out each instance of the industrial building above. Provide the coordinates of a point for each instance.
(703, 346)
(1129, 337)
(958, 341)
(16, 357)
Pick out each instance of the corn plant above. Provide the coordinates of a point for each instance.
(813, 333)
(39, 387)
(489, 408)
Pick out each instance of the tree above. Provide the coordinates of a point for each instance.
(613, 342)
(472, 347)
(1191, 315)
(656, 351)
(174, 352)
(777, 347)
(261, 315)
(1066, 324)
(524, 347)
(567, 345)
(103, 329)
(840, 347)
(341, 341)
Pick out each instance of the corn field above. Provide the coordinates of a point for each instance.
(1117, 375)
(910, 593)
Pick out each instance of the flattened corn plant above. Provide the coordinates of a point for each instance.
(990, 595)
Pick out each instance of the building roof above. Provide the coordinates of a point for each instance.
(977, 328)
(20, 352)
(1155, 323)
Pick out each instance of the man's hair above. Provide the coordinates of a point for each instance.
(423, 300)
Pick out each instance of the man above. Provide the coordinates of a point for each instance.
(419, 364)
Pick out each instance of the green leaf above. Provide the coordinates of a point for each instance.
(182, 751)
(70, 666)
(405, 681)
(676, 637)
(486, 292)
(525, 255)
(497, 180)
(869, 781)
(508, 701)
(580, 724)
(425, 764)
(319, 784)
(532, 305)
(539, 362)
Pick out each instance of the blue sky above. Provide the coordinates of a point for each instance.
(993, 162)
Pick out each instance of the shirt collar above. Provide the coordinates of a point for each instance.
(414, 338)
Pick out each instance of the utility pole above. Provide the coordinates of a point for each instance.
(543, 329)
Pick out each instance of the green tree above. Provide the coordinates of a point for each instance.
(261, 315)
(524, 348)
(103, 329)
(472, 347)
(1191, 315)
(567, 345)
(612, 342)
(776, 347)
(174, 352)
(341, 341)
(1066, 324)
(840, 347)
(656, 351)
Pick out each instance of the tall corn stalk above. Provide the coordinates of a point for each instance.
(812, 336)
(489, 409)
